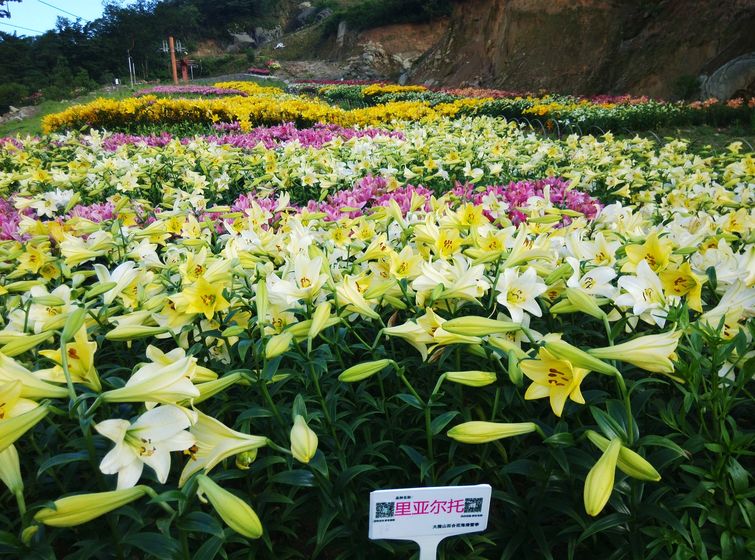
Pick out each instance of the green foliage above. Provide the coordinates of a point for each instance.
(374, 13)
(11, 93)
(687, 87)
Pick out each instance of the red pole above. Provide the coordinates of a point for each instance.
(173, 60)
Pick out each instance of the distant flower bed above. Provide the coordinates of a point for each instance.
(268, 136)
(189, 90)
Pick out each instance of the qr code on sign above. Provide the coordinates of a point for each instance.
(383, 510)
(472, 505)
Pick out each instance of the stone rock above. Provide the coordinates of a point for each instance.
(734, 78)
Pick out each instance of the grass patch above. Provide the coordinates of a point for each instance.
(33, 125)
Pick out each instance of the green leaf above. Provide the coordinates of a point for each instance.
(739, 475)
(660, 441)
(209, 549)
(154, 544)
(297, 477)
(563, 439)
(603, 524)
(411, 400)
(200, 522)
(62, 459)
(610, 427)
(437, 425)
(416, 457)
(243, 346)
(299, 407)
(350, 473)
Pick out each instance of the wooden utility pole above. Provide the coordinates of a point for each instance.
(173, 59)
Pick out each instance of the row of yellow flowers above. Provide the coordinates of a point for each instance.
(260, 108)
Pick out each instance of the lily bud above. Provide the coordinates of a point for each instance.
(484, 432)
(99, 289)
(212, 388)
(244, 460)
(562, 271)
(599, 481)
(73, 323)
(363, 370)
(261, 301)
(566, 306)
(584, 302)
(630, 463)
(31, 386)
(319, 318)
(300, 330)
(23, 343)
(133, 332)
(479, 326)
(471, 378)
(10, 470)
(303, 441)
(75, 510)
(515, 372)
(13, 428)
(565, 351)
(236, 513)
(278, 344)
(650, 352)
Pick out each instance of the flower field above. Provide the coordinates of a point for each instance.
(225, 320)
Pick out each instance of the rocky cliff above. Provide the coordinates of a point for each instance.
(645, 47)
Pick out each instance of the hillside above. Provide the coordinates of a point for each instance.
(589, 46)
(659, 48)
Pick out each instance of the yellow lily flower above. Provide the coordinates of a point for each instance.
(656, 252)
(80, 361)
(682, 281)
(554, 378)
(201, 297)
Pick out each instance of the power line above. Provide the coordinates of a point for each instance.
(19, 27)
(61, 10)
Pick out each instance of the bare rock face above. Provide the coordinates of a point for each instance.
(587, 46)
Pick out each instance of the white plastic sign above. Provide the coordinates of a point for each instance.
(429, 515)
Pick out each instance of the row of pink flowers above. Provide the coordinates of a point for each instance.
(9, 220)
(341, 82)
(270, 137)
(368, 192)
(189, 90)
(523, 194)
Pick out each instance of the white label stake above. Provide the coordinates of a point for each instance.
(429, 515)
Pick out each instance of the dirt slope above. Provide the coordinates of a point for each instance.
(587, 46)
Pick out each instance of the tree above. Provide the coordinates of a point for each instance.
(4, 9)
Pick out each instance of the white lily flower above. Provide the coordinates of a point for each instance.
(122, 275)
(148, 441)
(518, 292)
(644, 294)
(595, 282)
(214, 442)
(158, 382)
